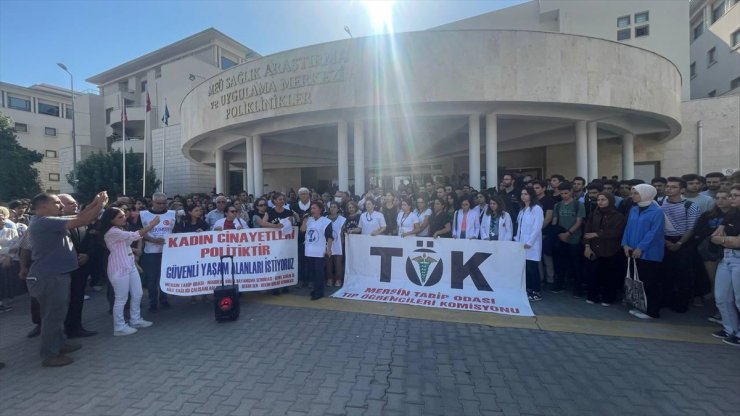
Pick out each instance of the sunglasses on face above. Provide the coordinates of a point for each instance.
(231, 211)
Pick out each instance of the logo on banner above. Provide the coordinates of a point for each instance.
(419, 263)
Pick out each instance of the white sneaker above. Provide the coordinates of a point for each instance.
(632, 311)
(125, 331)
(641, 315)
(141, 324)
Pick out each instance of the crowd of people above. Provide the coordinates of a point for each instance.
(681, 234)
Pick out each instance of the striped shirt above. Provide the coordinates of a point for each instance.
(121, 259)
(679, 219)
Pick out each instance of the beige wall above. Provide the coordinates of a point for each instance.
(717, 76)
(721, 144)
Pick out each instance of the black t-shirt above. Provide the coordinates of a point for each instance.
(732, 224)
(353, 221)
(274, 217)
(438, 222)
(547, 202)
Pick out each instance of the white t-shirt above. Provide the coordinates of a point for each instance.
(162, 230)
(406, 222)
(336, 228)
(423, 216)
(371, 222)
(315, 244)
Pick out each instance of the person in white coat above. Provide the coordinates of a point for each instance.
(465, 222)
(496, 222)
(530, 220)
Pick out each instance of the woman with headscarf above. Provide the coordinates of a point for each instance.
(602, 238)
(643, 242)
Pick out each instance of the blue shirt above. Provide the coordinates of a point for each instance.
(645, 231)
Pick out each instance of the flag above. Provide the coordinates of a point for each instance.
(148, 103)
(124, 117)
(166, 116)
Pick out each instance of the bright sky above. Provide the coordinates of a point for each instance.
(90, 37)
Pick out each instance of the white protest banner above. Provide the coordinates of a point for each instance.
(470, 275)
(264, 258)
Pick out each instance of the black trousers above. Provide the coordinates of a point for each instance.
(78, 281)
(678, 278)
(649, 272)
(604, 278)
(568, 265)
(316, 267)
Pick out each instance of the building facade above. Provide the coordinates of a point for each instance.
(715, 48)
(43, 122)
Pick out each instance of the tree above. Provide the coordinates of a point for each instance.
(102, 171)
(18, 177)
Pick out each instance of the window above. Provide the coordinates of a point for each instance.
(143, 86)
(693, 69)
(54, 177)
(108, 112)
(21, 128)
(48, 109)
(623, 21)
(735, 39)
(711, 57)
(50, 131)
(642, 17)
(642, 31)
(698, 30)
(718, 11)
(623, 34)
(712, 93)
(51, 154)
(19, 103)
(68, 112)
(158, 72)
(735, 83)
(226, 63)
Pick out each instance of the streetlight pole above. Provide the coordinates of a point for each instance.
(74, 137)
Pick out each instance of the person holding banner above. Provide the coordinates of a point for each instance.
(318, 244)
(465, 221)
(496, 222)
(407, 221)
(372, 222)
(335, 265)
(272, 219)
(231, 221)
(151, 260)
(260, 207)
(424, 215)
(439, 221)
(529, 232)
(192, 222)
(122, 272)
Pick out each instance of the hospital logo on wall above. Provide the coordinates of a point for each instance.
(423, 266)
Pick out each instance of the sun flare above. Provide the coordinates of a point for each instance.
(381, 15)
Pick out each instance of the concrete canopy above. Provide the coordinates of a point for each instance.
(416, 91)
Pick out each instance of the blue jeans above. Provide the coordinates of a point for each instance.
(152, 265)
(727, 291)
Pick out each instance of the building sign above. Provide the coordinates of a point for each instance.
(470, 275)
(275, 83)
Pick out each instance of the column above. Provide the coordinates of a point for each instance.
(492, 150)
(359, 138)
(581, 149)
(628, 156)
(342, 155)
(249, 183)
(593, 154)
(259, 183)
(219, 170)
(474, 150)
(227, 177)
(244, 179)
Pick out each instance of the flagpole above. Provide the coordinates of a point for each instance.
(146, 130)
(123, 119)
(164, 140)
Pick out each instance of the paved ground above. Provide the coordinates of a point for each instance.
(289, 356)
